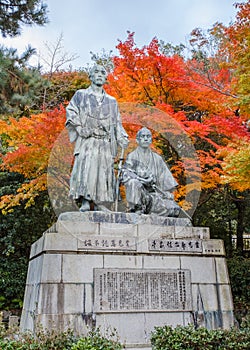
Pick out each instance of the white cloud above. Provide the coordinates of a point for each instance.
(93, 25)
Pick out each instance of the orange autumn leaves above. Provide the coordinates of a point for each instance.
(177, 87)
(29, 142)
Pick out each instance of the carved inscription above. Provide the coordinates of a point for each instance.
(106, 243)
(175, 245)
(126, 290)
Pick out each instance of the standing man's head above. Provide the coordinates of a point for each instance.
(144, 137)
(98, 75)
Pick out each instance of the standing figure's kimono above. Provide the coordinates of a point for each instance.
(92, 176)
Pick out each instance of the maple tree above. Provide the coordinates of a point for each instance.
(208, 62)
(147, 76)
(238, 34)
(232, 56)
(28, 142)
(221, 58)
(236, 164)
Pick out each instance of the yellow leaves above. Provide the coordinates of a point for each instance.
(181, 195)
(236, 165)
(27, 192)
(17, 131)
(210, 180)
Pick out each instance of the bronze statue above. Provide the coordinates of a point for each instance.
(94, 124)
(148, 181)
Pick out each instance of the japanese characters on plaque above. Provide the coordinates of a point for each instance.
(175, 245)
(95, 242)
(107, 243)
(121, 290)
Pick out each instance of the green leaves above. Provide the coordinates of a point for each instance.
(96, 341)
(168, 338)
(21, 86)
(52, 340)
(13, 14)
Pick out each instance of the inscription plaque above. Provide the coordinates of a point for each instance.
(175, 245)
(126, 290)
(106, 243)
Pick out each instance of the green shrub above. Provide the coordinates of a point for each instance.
(52, 340)
(168, 338)
(239, 273)
(95, 341)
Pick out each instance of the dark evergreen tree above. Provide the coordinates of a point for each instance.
(21, 86)
(15, 13)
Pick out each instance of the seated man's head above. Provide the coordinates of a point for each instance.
(144, 137)
(98, 75)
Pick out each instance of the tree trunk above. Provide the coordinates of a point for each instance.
(230, 243)
(241, 207)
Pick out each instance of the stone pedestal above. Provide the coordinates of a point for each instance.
(127, 272)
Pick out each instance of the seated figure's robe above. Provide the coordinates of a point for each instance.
(149, 184)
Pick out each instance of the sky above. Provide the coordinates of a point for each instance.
(96, 25)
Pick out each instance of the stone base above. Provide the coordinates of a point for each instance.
(127, 272)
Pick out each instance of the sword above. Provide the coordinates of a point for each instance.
(118, 179)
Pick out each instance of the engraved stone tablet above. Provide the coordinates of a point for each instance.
(108, 243)
(175, 245)
(127, 290)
